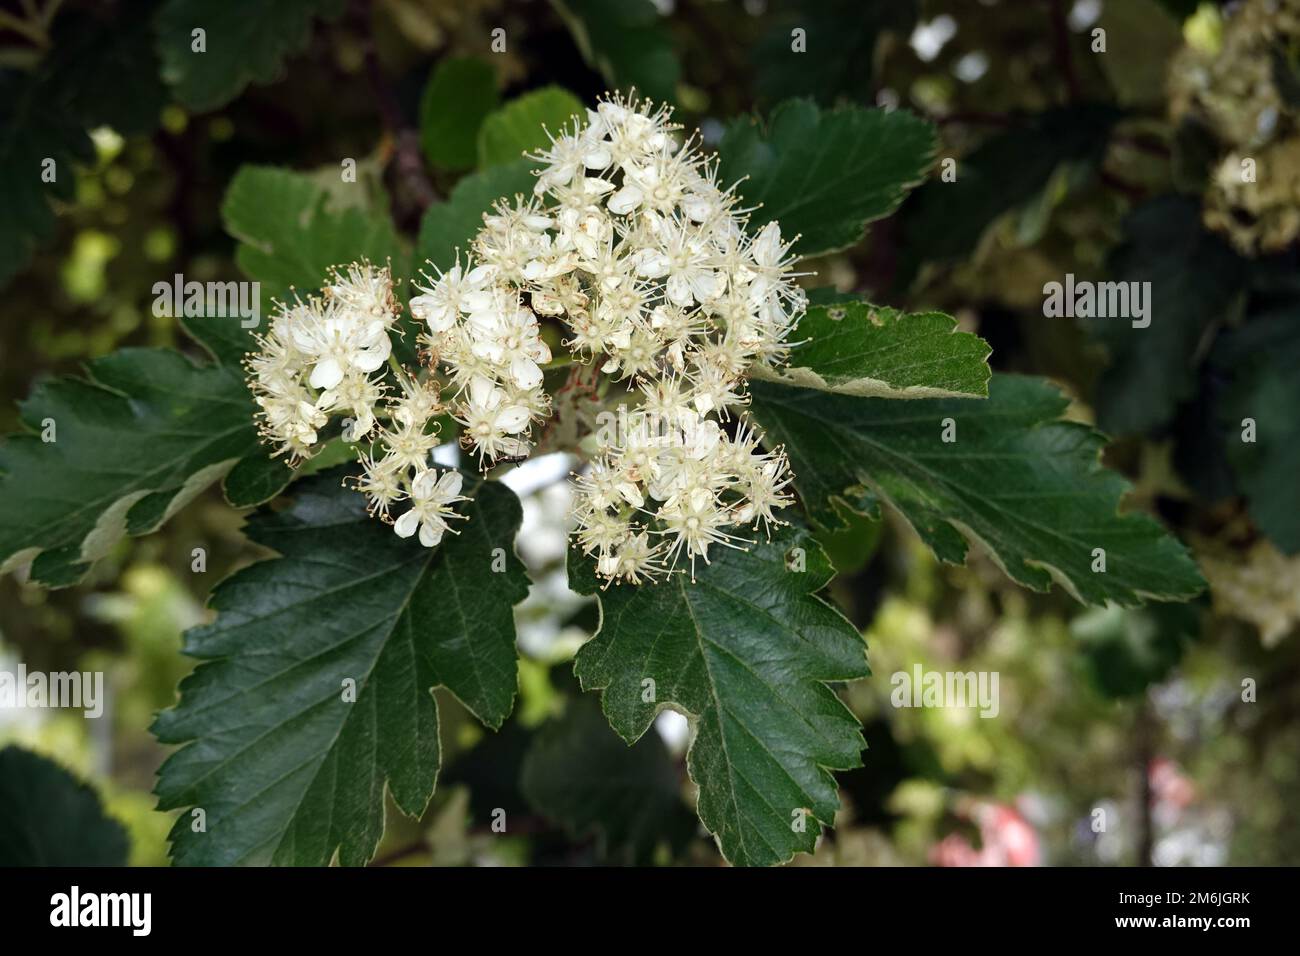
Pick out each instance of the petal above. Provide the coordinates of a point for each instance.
(449, 484)
(625, 200)
(512, 418)
(424, 483)
(406, 524)
(431, 533)
(525, 373)
(326, 374)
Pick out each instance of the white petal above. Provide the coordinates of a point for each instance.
(678, 290)
(326, 374)
(512, 418)
(525, 373)
(480, 301)
(406, 524)
(625, 200)
(483, 393)
(431, 533)
(424, 483)
(449, 484)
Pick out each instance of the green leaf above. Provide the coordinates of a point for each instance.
(290, 232)
(1017, 478)
(746, 653)
(627, 41)
(580, 774)
(1261, 359)
(825, 174)
(522, 124)
(862, 349)
(460, 94)
(840, 38)
(1127, 650)
(1194, 278)
(246, 41)
(286, 770)
(947, 219)
(145, 433)
(256, 479)
(449, 226)
(1142, 37)
(50, 818)
(100, 72)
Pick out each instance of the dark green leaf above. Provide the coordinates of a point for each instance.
(580, 774)
(100, 72)
(285, 769)
(947, 219)
(825, 174)
(245, 41)
(460, 94)
(627, 42)
(50, 818)
(1128, 650)
(1261, 358)
(1019, 480)
(746, 653)
(840, 38)
(145, 433)
(1194, 278)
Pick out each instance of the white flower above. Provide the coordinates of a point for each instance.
(431, 498)
(648, 268)
(491, 419)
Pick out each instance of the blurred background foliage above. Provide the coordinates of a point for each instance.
(1166, 735)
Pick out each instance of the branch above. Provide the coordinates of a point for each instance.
(1061, 34)
(408, 160)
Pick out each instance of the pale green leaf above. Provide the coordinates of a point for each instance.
(860, 349)
(522, 125)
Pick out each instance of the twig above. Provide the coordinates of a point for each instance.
(1061, 34)
(408, 160)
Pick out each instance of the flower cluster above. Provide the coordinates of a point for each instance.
(328, 355)
(1233, 88)
(630, 243)
(320, 356)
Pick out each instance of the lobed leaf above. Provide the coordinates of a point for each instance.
(284, 767)
(1017, 478)
(50, 818)
(856, 348)
(245, 41)
(825, 174)
(746, 653)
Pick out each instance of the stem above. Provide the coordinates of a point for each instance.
(1061, 34)
(1143, 733)
(408, 160)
